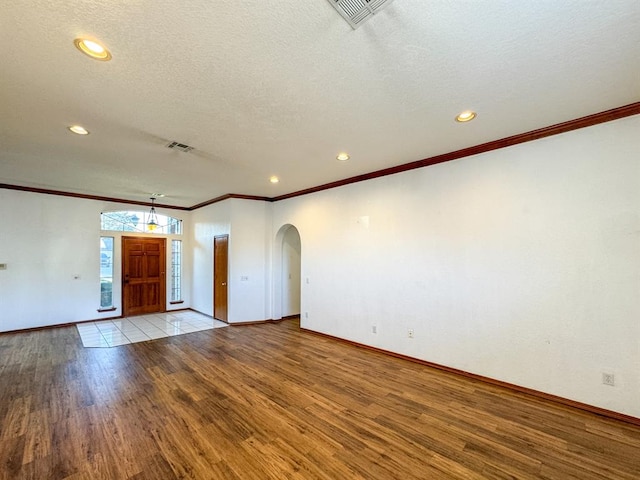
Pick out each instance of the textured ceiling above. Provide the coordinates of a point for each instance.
(279, 87)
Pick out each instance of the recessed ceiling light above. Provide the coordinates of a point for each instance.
(342, 156)
(466, 116)
(274, 179)
(78, 129)
(157, 195)
(92, 49)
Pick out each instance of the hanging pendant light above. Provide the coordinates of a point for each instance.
(152, 224)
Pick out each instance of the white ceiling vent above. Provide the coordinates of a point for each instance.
(179, 146)
(356, 12)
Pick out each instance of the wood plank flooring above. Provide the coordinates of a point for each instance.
(271, 402)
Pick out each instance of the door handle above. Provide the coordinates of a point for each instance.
(126, 278)
(224, 283)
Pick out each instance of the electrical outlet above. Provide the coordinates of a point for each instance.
(609, 379)
(410, 333)
(374, 329)
(244, 278)
(306, 314)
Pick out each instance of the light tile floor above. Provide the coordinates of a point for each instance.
(111, 333)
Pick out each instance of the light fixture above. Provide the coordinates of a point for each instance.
(274, 179)
(343, 156)
(92, 49)
(152, 223)
(78, 129)
(466, 116)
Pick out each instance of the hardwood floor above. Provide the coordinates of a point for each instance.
(271, 402)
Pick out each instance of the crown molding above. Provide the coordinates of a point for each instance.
(228, 196)
(568, 126)
(85, 196)
(578, 123)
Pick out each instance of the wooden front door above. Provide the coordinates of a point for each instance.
(143, 275)
(220, 272)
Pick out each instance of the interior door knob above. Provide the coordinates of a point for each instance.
(224, 283)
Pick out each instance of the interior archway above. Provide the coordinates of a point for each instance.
(287, 296)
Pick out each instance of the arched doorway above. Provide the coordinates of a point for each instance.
(287, 272)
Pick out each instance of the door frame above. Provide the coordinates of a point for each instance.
(163, 263)
(216, 280)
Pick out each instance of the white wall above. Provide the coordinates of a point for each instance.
(248, 224)
(206, 223)
(249, 261)
(46, 241)
(522, 264)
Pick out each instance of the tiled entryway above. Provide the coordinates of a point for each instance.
(111, 333)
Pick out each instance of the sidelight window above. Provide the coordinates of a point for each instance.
(106, 272)
(176, 270)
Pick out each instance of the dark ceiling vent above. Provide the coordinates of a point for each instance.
(356, 12)
(179, 146)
